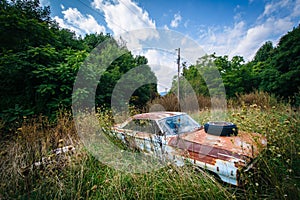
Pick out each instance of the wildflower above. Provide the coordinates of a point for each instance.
(94, 188)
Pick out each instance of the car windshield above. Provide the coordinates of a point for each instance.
(178, 124)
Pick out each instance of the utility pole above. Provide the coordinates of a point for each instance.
(178, 81)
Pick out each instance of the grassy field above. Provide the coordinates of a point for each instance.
(78, 175)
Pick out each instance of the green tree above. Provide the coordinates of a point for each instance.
(92, 40)
(39, 63)
(203, 78)
(264, 52)
(280, 73)
(24, 24)
(212, 74)
(114, 73)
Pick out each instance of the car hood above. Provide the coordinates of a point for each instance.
(245, 146)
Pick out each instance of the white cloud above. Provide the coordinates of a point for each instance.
(221, 40)
(272, 7)
(166, 27)
(126, 19)
(162, 56)
(237, 8)
(271, 30)
(86, 23)
(177, 19)
(123, 15)
(79, 23)
(163, 65)
(186, 23)
(244, 39)
(254, 37)
(45, 2)
(65, 25)
(296, 11)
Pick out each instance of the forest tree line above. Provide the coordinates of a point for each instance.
(274, 69)
(39, 62)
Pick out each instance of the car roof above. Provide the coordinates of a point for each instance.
(156, 115)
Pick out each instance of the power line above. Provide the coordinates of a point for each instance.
(178, 79)
(104, 18)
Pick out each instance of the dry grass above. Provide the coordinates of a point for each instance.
(167, 103)
(170, 102)
(260, 98)
(34, 140)
(79, 175)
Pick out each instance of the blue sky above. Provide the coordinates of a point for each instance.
(232, 27)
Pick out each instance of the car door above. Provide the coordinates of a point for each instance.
(150, 138)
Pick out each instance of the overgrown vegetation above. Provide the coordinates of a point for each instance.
(39, 62)
(76, 175)
(277, 170)
(79, 175)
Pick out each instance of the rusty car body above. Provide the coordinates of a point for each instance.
(179, 138)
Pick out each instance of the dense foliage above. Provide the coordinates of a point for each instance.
(274, 69)
(39, 63)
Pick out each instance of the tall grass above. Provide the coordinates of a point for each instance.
(259, 98)
(277, 174)
(78, 175)
(170, 102)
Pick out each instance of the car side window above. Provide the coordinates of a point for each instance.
(154, 129)
(142, 125)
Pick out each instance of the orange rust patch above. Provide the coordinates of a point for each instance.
(204, 150)
(202, 158)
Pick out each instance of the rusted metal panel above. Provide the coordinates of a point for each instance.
(224, 156)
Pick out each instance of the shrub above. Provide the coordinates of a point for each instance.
(260, 98)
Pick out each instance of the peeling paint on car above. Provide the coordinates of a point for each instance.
(224, 156)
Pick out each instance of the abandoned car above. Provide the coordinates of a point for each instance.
(216, 146)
